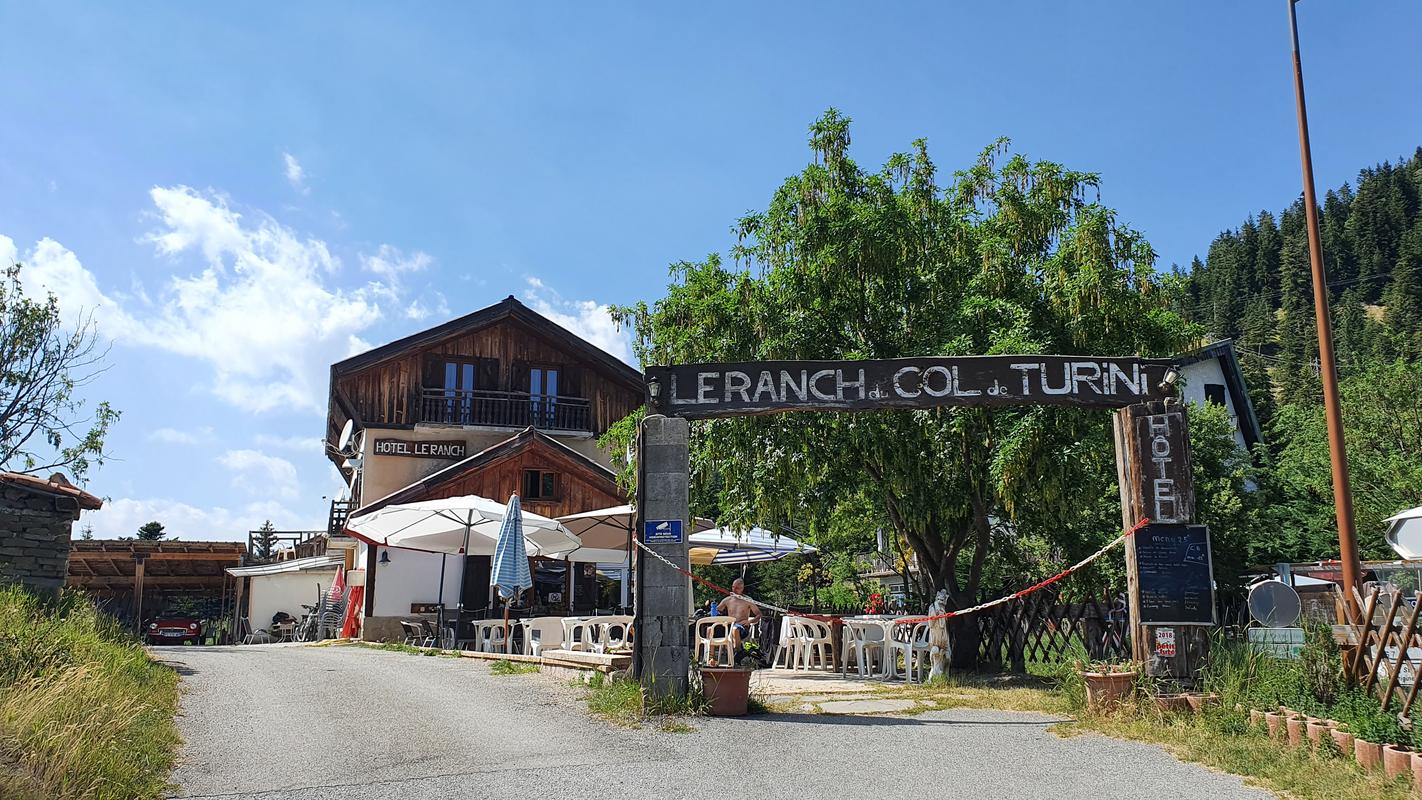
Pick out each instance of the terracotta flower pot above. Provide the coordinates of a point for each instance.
(1343, 739)
(1199, 701)
(1106, 690)
(1397, 760)
(1172, 703)
(1317, 730)
(1295, 728)
(1255, 717)
(1273, 721)
(1416, 768)
(727, 689)
(1367, 754)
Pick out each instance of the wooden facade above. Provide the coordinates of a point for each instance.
(503, 343)
(582, 484)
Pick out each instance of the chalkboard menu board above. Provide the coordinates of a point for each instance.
(1174, 575)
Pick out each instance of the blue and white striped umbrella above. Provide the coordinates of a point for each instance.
(510, 573)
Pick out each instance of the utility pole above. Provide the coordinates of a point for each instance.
(1342, 492)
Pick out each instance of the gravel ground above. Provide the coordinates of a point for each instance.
(356, 724)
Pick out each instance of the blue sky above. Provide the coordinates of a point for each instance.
(246, 195)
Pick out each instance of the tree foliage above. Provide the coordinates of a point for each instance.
(1009, 256)
(151, 531)
(43, 365)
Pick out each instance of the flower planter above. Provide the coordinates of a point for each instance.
(1199, 701)
(1256, 717)
(1342, 739)
(1107, 690)
(1367, 754)
(1273, 721)
(1172, 703)
(1316, 730)
(1397, 760)
(727, 690)
(1416, 768)
(1295, 728)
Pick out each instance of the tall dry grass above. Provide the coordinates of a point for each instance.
(84, 712)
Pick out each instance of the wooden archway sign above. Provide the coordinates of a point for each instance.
(1151, 436)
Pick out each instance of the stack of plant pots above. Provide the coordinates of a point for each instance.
(1296, 729)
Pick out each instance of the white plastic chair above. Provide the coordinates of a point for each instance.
(811, 644)
(713, 634)
(614, 633)
(575, 635)
(491, 636)
(911, 642)
(864, 644)
(542, 633)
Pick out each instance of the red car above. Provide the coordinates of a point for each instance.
(172, 627)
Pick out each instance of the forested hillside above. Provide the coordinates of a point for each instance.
(1254, 285)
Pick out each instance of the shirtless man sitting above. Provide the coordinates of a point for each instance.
(743, 613)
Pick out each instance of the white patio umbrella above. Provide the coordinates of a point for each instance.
(469, 524)
(726, 546)
(605, 537)
(1404, 533)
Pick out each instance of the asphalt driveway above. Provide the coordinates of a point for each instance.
(304, 723)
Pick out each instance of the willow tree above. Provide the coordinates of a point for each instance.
(1011, 256)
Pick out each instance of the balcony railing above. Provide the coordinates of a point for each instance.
(505, 410)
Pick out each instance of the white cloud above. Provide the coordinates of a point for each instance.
(203, 435)
(390, 263)
(586, 318)
(299, 444)
(295, 174)
(262, 475)
(261, 312)
(121, 517)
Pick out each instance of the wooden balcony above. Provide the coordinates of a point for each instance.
(505, 410)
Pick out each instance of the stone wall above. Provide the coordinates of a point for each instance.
(34, 538)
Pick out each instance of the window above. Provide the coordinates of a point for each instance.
(1215, 393)
(539, 484)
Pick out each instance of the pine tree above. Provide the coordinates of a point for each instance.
(1266, 256)
(264, 544)
(150, 531)
(1403, 299)
(1298, 337)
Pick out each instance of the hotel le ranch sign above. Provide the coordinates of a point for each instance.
(1152, 442)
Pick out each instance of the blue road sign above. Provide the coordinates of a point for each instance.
(662, 531)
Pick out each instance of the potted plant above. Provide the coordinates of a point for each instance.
(1397, 760)
(1108, 684)
(1172, 703)
(1294, 728)
(1316, 730)
(1342, 738)
(1198, 700)
(1370, 732)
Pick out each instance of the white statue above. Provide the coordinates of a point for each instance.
(939, 650)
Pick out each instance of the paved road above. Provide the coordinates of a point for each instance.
(301, 723)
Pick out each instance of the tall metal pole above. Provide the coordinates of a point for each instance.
(1342, 492)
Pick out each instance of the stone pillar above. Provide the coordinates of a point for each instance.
(663, 593)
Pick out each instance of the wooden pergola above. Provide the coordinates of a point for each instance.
(132, 570)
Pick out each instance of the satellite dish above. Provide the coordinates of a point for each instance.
(346, 433)
(1274, 604)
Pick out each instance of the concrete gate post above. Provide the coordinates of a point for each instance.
(663, 593)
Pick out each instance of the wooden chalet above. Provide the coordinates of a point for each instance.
(497, 402)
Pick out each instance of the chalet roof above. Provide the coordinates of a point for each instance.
(524, 438)
(508, 308)
(55, 485)
(1224, 351)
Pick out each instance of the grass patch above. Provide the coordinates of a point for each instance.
(624, 703)
(998, 692)
(84, 712)
(408, 649)
(506, 667)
